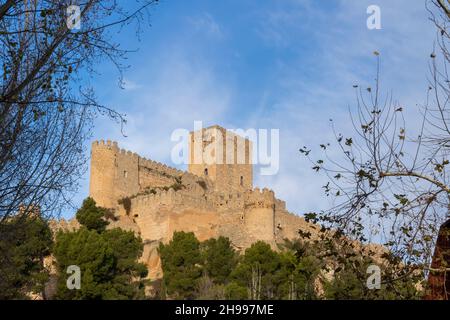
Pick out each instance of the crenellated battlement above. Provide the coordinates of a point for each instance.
(117, 173)
(159, 167)
(113, 146)
(260, 198)
(143, 162)
(104, 144)
(155, 200)
(172, 199)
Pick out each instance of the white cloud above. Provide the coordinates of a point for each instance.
(129, 85)
(206, 24)
(177, 93)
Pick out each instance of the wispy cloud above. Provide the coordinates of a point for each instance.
(206, 24)
(130, 85)
(177, 94)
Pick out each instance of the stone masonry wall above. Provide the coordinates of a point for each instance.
(117, 173)
(163, 200)
(223, 156)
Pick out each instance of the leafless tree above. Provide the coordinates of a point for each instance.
(46, 110)
(391, 177)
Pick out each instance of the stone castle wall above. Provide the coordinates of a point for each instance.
(117, 173)
(254, 213)
(162, 200)
(154, 200)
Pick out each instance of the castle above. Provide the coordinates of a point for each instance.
(211, 199)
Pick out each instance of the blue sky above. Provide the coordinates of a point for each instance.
(287, 65)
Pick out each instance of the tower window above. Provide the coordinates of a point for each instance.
(206, 171)
(242, 180)
(125, 174)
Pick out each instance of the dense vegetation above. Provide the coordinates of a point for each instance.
(299, 270)
(25, 241)
(107, 258)
(212, 269)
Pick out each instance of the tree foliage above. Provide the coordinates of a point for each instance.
(298, 270)
(181, 259)
(91, 216)
(23, 250)
(267, 274)
(219, 259)
(107, 259)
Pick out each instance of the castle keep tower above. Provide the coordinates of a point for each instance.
(222, 156)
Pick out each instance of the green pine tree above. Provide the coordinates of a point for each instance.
(107, 259)
(219, 259)
(24, 242)
(91, 216)
(181, 262)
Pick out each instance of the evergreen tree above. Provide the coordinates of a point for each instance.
(91, 216)
(181, 262)
(25, 241)
(107, 259)
(257, 271)
(295, 276)
(219, 259)
(236, 291)
(213, 270)
(267, 274)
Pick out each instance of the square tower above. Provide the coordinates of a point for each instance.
(222, 156)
